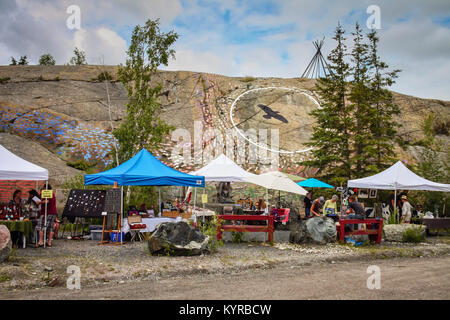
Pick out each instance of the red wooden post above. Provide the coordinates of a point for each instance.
(380, 231)
(342, 231)
(270, 228)
(219, 230)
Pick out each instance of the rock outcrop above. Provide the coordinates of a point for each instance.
(394, 232)
(317, 230)
(64, 109)
(5, 243)
(177, 239)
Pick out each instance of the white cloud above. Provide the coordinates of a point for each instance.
(410, 38)
(99, 44)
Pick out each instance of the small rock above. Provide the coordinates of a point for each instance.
(5, 243)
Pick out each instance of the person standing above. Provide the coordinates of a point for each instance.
(406, 210)
(52, 214)
(307, 202)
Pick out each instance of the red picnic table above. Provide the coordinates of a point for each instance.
(245, 228)
(375, 234)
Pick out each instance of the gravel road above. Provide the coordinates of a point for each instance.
(401, 278)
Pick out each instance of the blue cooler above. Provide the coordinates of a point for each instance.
(114, 236)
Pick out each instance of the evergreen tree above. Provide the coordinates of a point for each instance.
(355, 131)
(47, 60)
(23, 61)
(331, 135)
(79, 59)
(359, 98)
(383, 127)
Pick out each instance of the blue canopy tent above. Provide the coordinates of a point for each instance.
(144, 170)
(314, 183)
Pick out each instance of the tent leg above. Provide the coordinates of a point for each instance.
(120, 218)
(45, 217)
(395, 206)
(159, 201)
(203, 218)
(195, 200)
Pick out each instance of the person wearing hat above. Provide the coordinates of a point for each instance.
(406, 210)
(316, 207)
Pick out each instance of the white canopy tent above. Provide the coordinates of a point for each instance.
(276, 180)
(398, 177)
(223, 169)
(13, 167)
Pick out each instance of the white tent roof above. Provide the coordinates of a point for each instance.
(398, 177)
(276, 181)
(13, 167)
(223, 169)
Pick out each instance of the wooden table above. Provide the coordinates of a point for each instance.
(24, 227)
(374, 234)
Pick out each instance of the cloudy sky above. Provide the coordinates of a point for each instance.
(268, 38)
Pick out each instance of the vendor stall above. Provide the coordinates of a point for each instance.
(143, 170)
(398, 177)
(13, 167)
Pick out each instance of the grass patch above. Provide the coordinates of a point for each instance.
(4, 80)
(237, 237)
(413, 235)
(248, 79)
(4, 278)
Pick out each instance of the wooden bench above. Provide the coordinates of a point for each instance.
(374, 234)
(245, 228)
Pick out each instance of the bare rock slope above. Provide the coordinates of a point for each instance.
(61, 112)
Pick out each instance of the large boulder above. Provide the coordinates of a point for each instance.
(394, 232)
(318, 230)
(177, 239)
(5, 243)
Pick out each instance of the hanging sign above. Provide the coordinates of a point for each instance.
(47, 194)
(204, 198)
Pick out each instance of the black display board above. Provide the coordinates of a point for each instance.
(113, 200)
(85, 203)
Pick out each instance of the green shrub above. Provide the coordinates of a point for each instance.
(210, 229)
(4, 278)
(102, 76)
(248, 79)
(237, 237)
(413, 235)
(82, 165)
(4, 80)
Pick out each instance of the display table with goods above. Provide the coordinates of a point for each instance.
(150, 224)
(435, 223)
(25, 227)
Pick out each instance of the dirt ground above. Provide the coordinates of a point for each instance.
(236, 271)
(401, 278)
